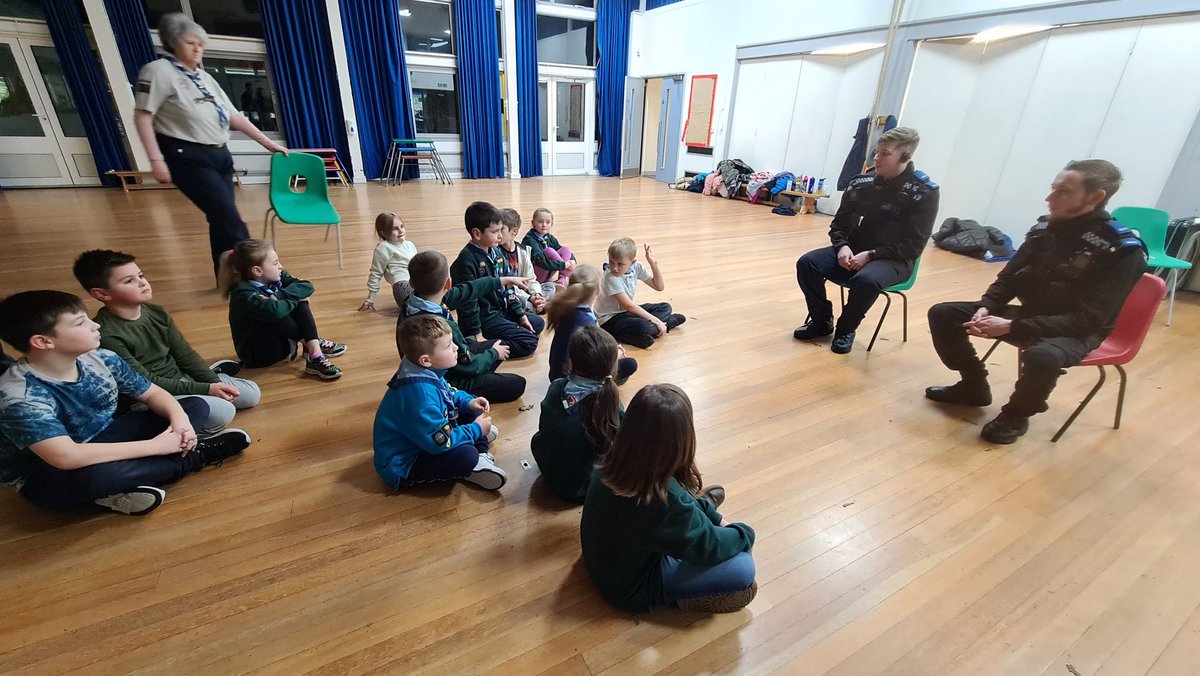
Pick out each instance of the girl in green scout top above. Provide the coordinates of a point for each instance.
(580, 415)
(650, 536)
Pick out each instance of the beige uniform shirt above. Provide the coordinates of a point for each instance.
(180, 108)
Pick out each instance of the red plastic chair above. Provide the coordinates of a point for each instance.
(1122, 345)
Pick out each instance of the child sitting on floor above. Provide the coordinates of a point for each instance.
(572, 309)
(580, 415)
(552, 262)
(269, 313)
(425, 429)
(651, 537)
(518, 259)
(390, 261)
(628, 322)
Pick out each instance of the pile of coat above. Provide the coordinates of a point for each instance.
(969, 238)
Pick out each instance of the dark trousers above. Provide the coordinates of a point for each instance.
(631, 329)
(270, 343)
(204, 175)
(456, 463)
(1041, 363)
(497, 388)
(54, 488)
(863, 286)
(520, 342)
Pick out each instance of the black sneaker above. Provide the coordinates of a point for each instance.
(227, 367)
(674, 320)
(1005, 428)
(643, 341)
(213, 450)
(842, 343)
(965, 393)
(322, 368)
(330, 348)
(812, 329)
(714, 494)
(135, 501)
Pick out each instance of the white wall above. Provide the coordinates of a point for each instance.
(1010, 115)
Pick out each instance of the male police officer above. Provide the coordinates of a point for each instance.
(879, 231)
(1071, 275)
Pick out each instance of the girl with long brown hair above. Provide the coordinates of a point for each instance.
(651, 535)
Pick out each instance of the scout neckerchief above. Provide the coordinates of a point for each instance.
(577, 389)
(205, 95)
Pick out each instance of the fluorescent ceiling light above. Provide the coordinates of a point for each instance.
(406, 13)
(846, 50)
(1005, 32)
(447, 31)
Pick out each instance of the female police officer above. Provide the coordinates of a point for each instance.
(183, 117)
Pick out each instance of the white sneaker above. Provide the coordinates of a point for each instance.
(487, 475)
(493, 434)
(135, 502)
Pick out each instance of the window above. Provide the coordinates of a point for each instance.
(573, 3)
(426, 26)
(567, 41)
(229, 17)
(435, 102)
(156, 8)
(23, 9)
(245, 81)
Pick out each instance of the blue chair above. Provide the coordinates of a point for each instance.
(1151, 226)
(309, 208)
(897, 289)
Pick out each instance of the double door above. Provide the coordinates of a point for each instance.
(568, 119)
(42, 140)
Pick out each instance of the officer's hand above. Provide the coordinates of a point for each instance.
(990, 327)
(979, 314)
(857, 261)
(844, 255)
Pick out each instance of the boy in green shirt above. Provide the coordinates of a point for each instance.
(146, 337)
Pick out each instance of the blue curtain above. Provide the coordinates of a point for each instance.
(612, 37)
(133, 35)
(300, 56)
(379, 79)
(655, 4)
(89, 92)
(479, 88)
(529, 119)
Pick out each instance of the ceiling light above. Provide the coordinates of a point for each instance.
(1005, 32)
(447, 31)
(846, 50)
(406, 13)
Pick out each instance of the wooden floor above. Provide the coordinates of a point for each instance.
(891, 539)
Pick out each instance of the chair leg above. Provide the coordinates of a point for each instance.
(988, 354)
(888, 297)
(1173, 281)
(1079, 409)
(904, 297)
(842, 293)
(267, 221)
(1120, 398)
(338, 231)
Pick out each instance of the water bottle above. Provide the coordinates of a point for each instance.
(820, 185)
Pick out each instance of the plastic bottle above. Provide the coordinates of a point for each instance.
(820, 185)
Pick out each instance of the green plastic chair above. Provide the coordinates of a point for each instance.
(897, 289)
(1151, 226)
(308, 208)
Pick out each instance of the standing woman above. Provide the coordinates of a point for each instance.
(183, 118)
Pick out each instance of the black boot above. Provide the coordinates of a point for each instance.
(972, 390)
(1005, 428)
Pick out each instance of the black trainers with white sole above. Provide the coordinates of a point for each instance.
(135, 501)
(213, 450)
(227, 367)
(322, 368)
(486, 474)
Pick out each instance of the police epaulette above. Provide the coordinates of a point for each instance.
(924, 178)
(1128, 238)
(862, 179)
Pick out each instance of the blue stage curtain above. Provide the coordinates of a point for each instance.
(612, 37)
(88, 89)
(129, 24)
(379, 79)
(655, 4)
(300, 56)
(479, 89)
(530, 113)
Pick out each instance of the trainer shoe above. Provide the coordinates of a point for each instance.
(493, 434)
(227, 367)
(714, 494)
(674, 320)
(964, 392)
(330, 348)
(135, 501)
(486, 475)
(812, 329)
(728, 602)
(213, 450)
(322, 368)
(643, 341)
(1005, 428)
(842, 343)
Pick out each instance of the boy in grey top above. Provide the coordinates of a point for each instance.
(628, 322)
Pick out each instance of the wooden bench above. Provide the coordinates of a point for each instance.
(136, 180)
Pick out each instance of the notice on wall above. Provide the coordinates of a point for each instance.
(697, 132)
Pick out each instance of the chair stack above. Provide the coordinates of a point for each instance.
(401, 151)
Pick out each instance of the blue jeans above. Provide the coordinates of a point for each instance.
(681, 580)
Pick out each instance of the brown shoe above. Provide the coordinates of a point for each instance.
(729, 602)
(714, 494)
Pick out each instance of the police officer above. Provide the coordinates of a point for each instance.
(183, 118)
(879, 230)
(1071, 275)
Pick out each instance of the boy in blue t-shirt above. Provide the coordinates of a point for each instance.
(65, 447)
(426, 430)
